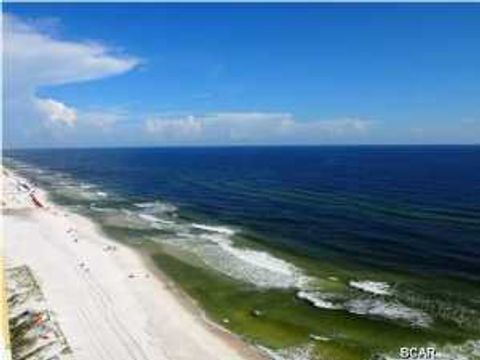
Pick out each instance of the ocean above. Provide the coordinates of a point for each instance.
(339, 252)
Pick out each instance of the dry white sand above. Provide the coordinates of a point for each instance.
(104, 313)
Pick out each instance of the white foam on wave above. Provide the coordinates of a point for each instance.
(373, 287)
(124, 218)
(389, 310)
(318, 299)
(154, 219)
(149, 218)
(146, 204)
(369, 306)
(215, 229)
(70, 188)
(256, 267)
(224, 241)
(256, 258)
(264, 261)
(157, 206)
(86, 186)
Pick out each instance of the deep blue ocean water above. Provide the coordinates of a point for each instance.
(409, 208)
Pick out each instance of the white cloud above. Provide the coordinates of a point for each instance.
(34, 59)
(56, 111)
(183, 129)
(252, 127)
(51, 61)
(102, 119)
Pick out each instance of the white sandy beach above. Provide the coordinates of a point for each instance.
(108, 303)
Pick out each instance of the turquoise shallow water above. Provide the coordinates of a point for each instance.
(316, 252)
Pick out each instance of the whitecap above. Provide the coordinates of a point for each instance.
(255, 267)
(86, 186)
(389, 310)
(219, 239)
(149, 218)
(154, 219)
(258, 271)
(263, 260)
(145, 204)
(157, 206)
(373, 287)
(317, 299)
(216, 229)
(124, 218)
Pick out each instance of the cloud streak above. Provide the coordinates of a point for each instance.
(35, 59)
(252, 128)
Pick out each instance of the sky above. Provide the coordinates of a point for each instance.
(104, 75)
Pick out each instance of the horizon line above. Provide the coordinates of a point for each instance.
(236, 146)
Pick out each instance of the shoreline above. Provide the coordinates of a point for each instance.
(349, 306)
(222, 343)
(193, 307)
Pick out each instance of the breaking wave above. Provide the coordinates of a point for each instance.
(157, 207)
(391, 310)
(215, 229)
(373, 287)
(218, 251)
(318, 299)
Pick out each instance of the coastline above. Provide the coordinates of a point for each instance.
(119, 285)
(349, 313)
(195, 309)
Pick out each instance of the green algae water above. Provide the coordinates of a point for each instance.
(307, 252)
